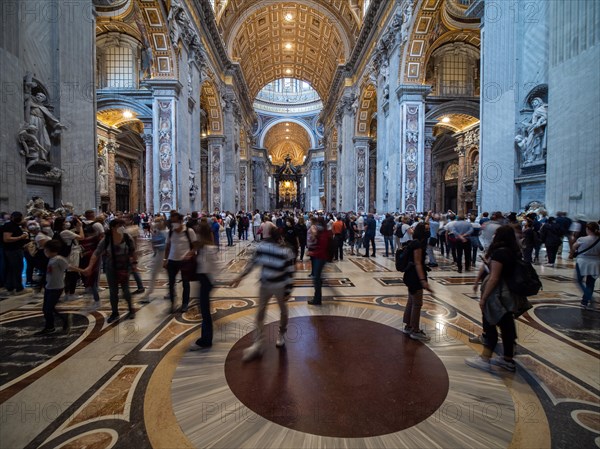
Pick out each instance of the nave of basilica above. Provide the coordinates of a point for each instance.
(369, 106)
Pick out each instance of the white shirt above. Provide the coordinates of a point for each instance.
(257, 220)
(360, 222)
(180, 244)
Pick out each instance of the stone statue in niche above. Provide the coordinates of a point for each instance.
(31, 148)
(531, 139)
(39, 127)
(102, 176)
(193, 185)
(147, 60)
(386, 179)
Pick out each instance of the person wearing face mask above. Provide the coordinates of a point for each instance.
(14, 238)
(180, 256)
(69, 231)
(119, 249)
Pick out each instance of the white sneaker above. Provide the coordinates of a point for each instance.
(280, 340)
(254, 351)
(502, 363)
(479, 363)
(419, 335)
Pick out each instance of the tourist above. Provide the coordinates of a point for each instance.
(180, 256)
(71, 249)
(277, 262)
(319, 253)
(301, 232)
(206, 269)
(387, 231)
(415, 278)
(158, 238)
(55, 283)
(551, 236)
(120, 258)
(587, 263)
(369, 235)
(498, 266)
(338, 229)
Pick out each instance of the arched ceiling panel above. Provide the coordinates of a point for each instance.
(367, 106)
(287, 138)
(210, 102)
(305, 40)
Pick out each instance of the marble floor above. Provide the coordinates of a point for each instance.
(347, 377)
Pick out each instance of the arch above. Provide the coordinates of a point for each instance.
(454, 107)
(210, 101)
(428, 31)
(115, 101)
(263, 133)
(367, 106)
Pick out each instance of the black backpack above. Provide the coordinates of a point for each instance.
(524, 280)
(399, 232)
(403, 258)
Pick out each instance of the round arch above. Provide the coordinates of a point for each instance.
(455, 107)
(115, 101)
(264, 132)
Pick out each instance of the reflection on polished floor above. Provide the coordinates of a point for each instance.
(347, 377)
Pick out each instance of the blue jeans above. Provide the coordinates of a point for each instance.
(113, 288)
(51, 297)
(389, 241)
(229, 233)
(587, 287)
(206, 286)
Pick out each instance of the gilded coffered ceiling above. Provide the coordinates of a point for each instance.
(117, 118)
(287, 138)
(454, 122)
(305, 40)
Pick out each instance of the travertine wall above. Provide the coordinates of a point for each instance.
(54, 41)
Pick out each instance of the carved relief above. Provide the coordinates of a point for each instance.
(412, 146)
(361, 163)
(243, 187)
(216, 177)
(165, 142)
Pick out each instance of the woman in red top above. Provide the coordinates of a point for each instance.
(319, 255)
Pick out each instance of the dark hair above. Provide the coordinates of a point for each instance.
(16, 216)
(53, 246)
(504, 237)
(58, 224)
(115, 223)
(205, 234)
(592, 226)
(420, 233)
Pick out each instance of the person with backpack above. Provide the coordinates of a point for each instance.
(180, 256)
(369, 235)
(387, 231)
(69, 231)
(120, 258)
(159, 235)
(551, 235)
(587, 262)
(499, 264)
(415, 278)
(93, 231)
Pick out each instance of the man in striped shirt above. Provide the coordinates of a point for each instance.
(276, 278)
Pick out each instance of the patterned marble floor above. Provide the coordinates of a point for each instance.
(136, 383)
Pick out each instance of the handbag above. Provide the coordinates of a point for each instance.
(31, 248)
(502, 301)
(188, 269)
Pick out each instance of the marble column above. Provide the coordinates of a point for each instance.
(215, 174)
(134, 194)
(164, 175)
(111, 149)
(315, 182)
(462, 171)
(243, 195)
(361, 151)
(372, 178)
(230, 156)
(412, 144)
(347, 167)
(428, 167)
(332, 180)
(149, 198)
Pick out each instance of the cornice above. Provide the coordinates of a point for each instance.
(367, 31)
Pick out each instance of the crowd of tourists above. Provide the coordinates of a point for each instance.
(60, 250)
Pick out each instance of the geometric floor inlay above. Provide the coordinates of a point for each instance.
(328, 380)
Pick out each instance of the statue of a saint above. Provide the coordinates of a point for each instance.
(532, 140)
(386, 178)
(102, 176)
(33, 151)
(42, 119)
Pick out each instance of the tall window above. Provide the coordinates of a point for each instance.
(455, 75)
(118, 59)
(119, 67)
